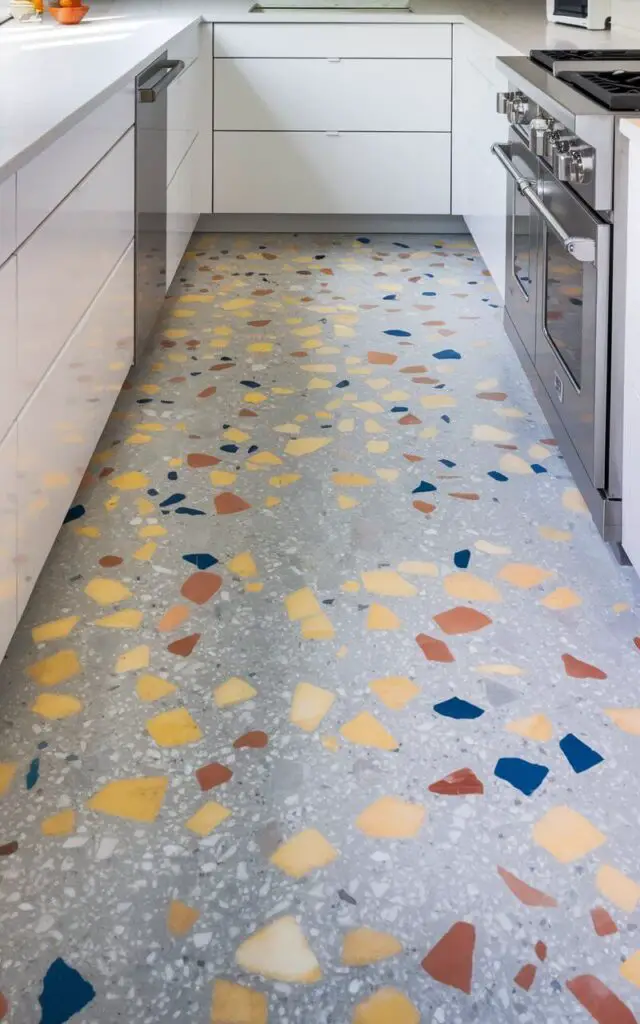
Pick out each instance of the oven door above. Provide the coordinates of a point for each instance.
(522, 244)
(573, 323)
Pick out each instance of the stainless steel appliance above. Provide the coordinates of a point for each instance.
(151, 193)
(564, 301)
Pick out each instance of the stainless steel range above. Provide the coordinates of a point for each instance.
(566, 252)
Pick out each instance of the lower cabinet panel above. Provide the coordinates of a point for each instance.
(8, 538)
(182, 212)
(60, 426)
(348, 173)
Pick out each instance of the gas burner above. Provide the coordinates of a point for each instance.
(547, 58)
(616, 90)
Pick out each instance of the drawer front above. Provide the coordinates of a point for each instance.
(8, 538)
(63, 265)
(183, 113)
(7, 217)
(51, 176)
(631, 477)
(317, 40)
(182, 215)
(340, 95)
(9, 347)
(61, 425)
(311, 172)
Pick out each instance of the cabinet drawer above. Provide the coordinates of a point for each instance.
(341, 95)
(9, 345)
(311, 172)
(7, 217)
(318, 40)
(8, 538)
(52, 175)
(183, 111)
(60, 427)
(182, 214)
(63, 265)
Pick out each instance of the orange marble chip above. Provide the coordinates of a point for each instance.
(461, 620)
(382, 358)
(520, 574)
(227, 504)
(566, 834)
(364, 946)
(598, 1000)
(366, 731)
(173, 618)
(236, 1004)
(450, 961)
(386, 1006)
(303, 853)
(391, 818)
(526, 893)
(200, 587)
(181, 918)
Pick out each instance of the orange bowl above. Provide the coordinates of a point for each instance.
(68, 15)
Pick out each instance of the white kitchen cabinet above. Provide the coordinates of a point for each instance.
(314, 172)
(47, 179)
(61, 424)
(631, 476)
(183, 100)
(258, 94)
(314, 39)
(479, 187)
(63, 264)
(9, 344)
(182, 212)
(8, 538)
(7, 217)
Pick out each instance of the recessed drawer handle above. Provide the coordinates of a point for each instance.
(334, 60)
(334, 134)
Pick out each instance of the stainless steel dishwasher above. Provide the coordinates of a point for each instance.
(151, 194)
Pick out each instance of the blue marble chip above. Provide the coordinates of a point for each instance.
(394, 332)
(447, 353)
(424, 487)
(64, 993)
(174, 499)
(523, 775)
(457, 708)
(537, 468)
(201, 560)
(495, 475)
(75, 512)
(232, 448)
(580, 756)
(462, 558)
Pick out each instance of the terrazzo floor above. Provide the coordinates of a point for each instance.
(325, 709)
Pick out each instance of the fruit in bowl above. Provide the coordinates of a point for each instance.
(68, 12)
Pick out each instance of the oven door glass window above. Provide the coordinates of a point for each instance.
(522, 227)
(563, 305)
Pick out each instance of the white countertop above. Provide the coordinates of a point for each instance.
(51, 76)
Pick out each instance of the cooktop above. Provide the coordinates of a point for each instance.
(616, 90)
(547, 58)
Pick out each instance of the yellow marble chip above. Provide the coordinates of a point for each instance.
(330, 743)
(630, 969)
(280, 951)
(429, 433)
(387, 583)
(465, 586)
(567, 835)
(105, 591)
(346, 425)
(391, 818)
(133, 481)
(366, 731)
(138, 439)
(627, 719)
(561, 599)
(309, 706)
(345, 502)
(222, 477)
(56, 705)
(319, 368)
(551, 533)
(288, 428)
(485, 432)
(152, 428)
(535, 727)
(265, 459)
(54, 630)
(131, 661)
(352, 480)
(60, 824)
(88, 531)
(372, 426)
(235, 1004)
(386, 1006)
(389, 475)
(207, 817)
(305, 445)
(419, 568)
(514, 465)
(181, 917)
(519, 574)
(235, 435)
(370, 407)
(305, 852)
(57, 668)
(395, 691)
(350, 587)
(317, 627)
(146, 552)
(238, 304)
(7, 772)
(282, 391)
(243, 565)
(127, 618)
(499, 670)
(234, 691)
(302, 604)
(272, 501)
(438, 401)
(319, 384)
(510, 413)
(283, 480)
(573, 501)
(618, 888)
(152, 530)
(380, 617)
(137, 799)
(174, 728)
(489, 548)
(150, 687)
(308, 332)
(364, 946)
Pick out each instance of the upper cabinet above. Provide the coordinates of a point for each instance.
(344, 119)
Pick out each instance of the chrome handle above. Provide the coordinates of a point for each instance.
(582, 249)
(149, 93)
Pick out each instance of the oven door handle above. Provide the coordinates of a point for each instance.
(582, 249)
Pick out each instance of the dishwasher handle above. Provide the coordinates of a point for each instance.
(154, 85)
(582, 249)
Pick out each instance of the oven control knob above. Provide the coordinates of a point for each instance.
(503, 102)
(518, 112)
(556, 140)
(573, 164)
(539, 128)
